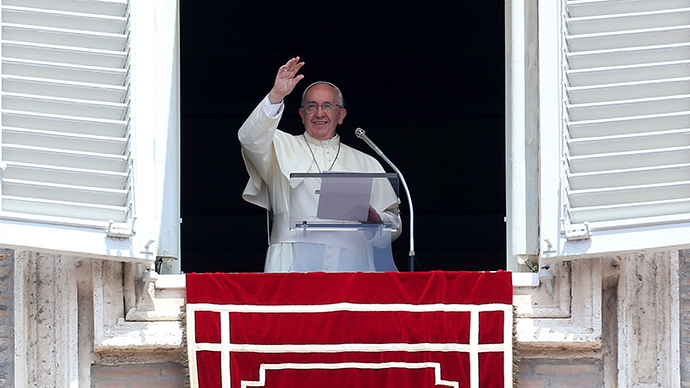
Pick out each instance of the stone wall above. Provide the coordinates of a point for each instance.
(78, 316)
(684, 284)
(614, 322)
(607, 323)
(6, 318)
(584, 372)
(163, 375)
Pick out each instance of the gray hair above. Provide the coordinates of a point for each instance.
(341, 101)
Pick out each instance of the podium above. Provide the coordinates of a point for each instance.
(331, 209)
(343, 330)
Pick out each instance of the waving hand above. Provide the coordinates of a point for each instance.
(286, 80)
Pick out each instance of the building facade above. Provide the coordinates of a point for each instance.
(597, 165)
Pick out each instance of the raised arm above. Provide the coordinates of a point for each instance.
(286, 80)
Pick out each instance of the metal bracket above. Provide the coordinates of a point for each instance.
(576, 232)
(120, 230)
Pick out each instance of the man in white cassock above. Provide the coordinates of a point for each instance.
(271, 155)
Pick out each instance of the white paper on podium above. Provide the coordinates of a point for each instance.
(344, 199)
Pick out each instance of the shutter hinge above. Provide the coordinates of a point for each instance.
(120, 229)
(574, 232)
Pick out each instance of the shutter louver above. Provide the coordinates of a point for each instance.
(65, 112)
(627, 87)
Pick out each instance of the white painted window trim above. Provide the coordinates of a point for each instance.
(522, 145)
(550, 113)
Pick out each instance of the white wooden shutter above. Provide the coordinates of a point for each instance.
(620, 99)
(69, 129)
(65, 111)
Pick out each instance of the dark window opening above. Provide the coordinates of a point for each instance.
(425, 79)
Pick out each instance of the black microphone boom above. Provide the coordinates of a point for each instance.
(360, 133)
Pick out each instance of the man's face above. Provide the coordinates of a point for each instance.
(321, 124)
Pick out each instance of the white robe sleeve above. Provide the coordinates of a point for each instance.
(256, 137)
(392, 216)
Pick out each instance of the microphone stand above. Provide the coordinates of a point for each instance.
(360, 133)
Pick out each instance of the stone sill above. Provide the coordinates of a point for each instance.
(520, 279)
(547, 327)
(525, 279)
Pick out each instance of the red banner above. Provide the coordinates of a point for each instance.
(417, 330)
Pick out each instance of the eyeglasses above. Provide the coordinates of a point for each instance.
(313, 107)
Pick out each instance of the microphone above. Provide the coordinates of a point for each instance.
(361, 133)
